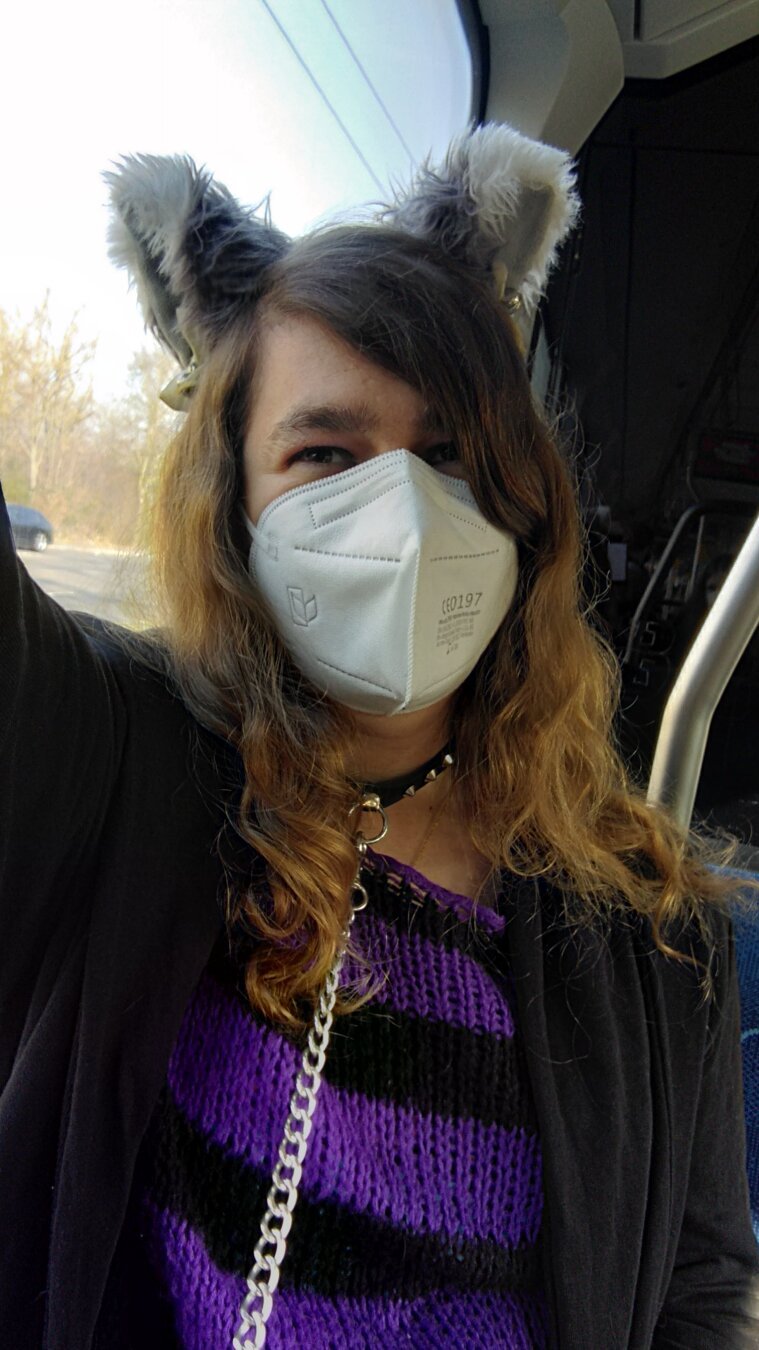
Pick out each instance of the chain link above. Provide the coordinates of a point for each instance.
(271, 1248)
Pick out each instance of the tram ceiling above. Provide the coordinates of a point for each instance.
(555, 66)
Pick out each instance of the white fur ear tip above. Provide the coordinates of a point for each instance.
(497, 195)
(497, 163)
(525, 199)
(154, 191)
(121, 250)
(495, 146)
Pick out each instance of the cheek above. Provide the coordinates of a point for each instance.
(260, 489)
(260, 486)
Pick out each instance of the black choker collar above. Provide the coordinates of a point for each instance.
(392, 789)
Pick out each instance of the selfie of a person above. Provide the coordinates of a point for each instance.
(355, 992)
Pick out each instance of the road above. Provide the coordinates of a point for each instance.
(93, 580)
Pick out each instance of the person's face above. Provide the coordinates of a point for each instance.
(320, 408)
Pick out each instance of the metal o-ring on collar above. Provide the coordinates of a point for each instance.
(371, 804)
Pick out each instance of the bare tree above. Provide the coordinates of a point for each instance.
(146, 423)
(91, 465)
(45, 397)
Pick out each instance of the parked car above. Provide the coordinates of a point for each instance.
(30, 528)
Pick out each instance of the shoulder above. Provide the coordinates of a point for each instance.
(162, 730)
(138, 664)
(686, 974)
(127, 653)
(691, 986)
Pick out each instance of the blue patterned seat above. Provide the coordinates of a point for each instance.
(747, 950)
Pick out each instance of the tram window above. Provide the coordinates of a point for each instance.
(318, 105)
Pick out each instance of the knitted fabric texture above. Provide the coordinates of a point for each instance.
(420, 1207)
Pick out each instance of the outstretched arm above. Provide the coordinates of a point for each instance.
(62, 726)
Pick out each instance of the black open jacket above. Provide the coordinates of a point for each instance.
(111, 801)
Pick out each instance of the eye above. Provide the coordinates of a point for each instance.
(333, 456)
(444, 456)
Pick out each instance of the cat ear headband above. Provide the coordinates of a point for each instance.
(499, 203)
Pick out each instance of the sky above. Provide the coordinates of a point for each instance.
(319, 103)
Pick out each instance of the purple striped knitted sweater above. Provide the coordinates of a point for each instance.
(420, 1207)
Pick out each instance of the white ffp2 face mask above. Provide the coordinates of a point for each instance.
(385, 581)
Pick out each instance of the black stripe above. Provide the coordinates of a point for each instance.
(395, 1056)
(396, 901)
(331, 1251)
(441, 1069)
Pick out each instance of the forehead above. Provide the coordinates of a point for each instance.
(301, 363)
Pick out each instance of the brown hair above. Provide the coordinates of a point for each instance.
(546, 793)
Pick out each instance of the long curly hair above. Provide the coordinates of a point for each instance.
(545, 792)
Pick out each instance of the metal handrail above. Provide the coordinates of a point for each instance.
(700, 684)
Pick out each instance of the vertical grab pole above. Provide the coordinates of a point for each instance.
(716, 651)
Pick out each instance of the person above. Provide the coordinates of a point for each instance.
(330, 886)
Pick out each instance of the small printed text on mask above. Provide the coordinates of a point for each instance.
(453, 604)
(457, 623)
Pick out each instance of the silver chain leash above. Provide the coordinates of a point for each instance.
(271, 1248)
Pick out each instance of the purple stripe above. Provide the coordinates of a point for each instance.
(427, 1173)
(459, 1177)
(462, 906)
(207, 1300)
(427, 981)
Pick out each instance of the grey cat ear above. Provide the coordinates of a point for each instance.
(195, 255)
(499, 202)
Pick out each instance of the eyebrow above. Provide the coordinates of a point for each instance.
(337, 417)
